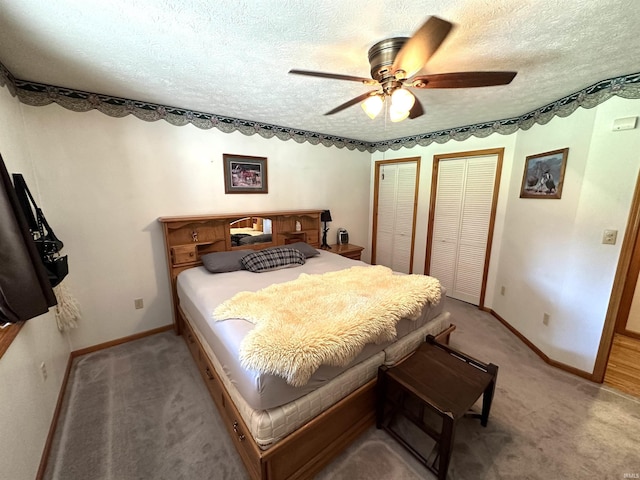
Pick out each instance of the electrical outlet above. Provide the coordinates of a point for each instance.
(43, 371)
(502, 290)
(545, 318)
(609, 237)
(138, 303)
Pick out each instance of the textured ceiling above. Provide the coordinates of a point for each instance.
(231, 58)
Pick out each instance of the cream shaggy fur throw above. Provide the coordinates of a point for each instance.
(326, 318)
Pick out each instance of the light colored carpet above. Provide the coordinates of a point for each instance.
(141, 411)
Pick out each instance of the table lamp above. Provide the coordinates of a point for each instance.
(325, 217)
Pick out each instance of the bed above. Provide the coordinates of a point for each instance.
(280, 430)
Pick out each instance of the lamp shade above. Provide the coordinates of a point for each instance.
(402, 99)
(372, 106)
(325, 216)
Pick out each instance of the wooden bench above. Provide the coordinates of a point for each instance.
(444, 381)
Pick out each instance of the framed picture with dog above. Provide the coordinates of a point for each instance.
(543, 175)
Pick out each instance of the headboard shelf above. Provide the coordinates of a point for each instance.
(235, 216)
(189, 237)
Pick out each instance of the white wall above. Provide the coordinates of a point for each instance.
(104, 182)
(27, 400)
(553, 259)
(548, 253)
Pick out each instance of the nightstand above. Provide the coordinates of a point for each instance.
(348, 250)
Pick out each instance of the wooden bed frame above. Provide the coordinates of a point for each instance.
(304, 452)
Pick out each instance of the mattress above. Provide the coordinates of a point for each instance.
(200, 292)
(267, 427)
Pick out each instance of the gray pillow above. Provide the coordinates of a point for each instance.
(222, 262)
(273, 259)
(307, 250)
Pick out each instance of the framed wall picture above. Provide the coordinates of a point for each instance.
(243, 174)
(544, 174)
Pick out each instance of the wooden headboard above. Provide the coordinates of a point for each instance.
(187, 238)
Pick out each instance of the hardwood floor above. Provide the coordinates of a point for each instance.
(623, 369)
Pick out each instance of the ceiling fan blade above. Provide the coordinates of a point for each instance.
(419, 48)
(462, 80)
(417, 110)
(335, 76)
(351, 102)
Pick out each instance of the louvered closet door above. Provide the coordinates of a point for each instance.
(461, 224)
(395, 220)
(386, 215)
(446, 223)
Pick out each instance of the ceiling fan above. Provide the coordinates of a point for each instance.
(394, 61)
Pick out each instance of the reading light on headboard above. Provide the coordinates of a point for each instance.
(325, 217)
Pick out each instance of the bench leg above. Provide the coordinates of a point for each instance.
(446, 446)
(487, 397)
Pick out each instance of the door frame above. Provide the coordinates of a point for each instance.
(494, 205)
(375, 205)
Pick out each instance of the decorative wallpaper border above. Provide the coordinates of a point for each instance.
(627, 86)
(7, 80)
(38, 94)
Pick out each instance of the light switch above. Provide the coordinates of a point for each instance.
(609, 237)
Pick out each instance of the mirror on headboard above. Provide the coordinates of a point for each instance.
(250, 231)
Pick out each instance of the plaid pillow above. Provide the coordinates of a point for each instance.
(272, 258)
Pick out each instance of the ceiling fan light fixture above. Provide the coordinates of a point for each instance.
(402, 99)
(372, 106)
(394, 63)
(397, 114)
